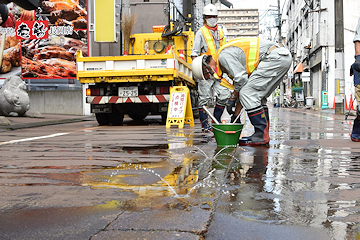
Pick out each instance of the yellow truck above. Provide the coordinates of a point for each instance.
(138, 84)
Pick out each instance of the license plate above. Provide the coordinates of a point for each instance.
(128, 91)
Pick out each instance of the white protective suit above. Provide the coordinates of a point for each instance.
(254, 89)
(204, 86)
(357, 32)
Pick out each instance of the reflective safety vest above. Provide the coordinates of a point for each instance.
(250, 46)
(277, 92)
(210, 40)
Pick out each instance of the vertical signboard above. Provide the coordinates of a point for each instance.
(105, 21)
(42, 43)
(325, 100)
(179, 110)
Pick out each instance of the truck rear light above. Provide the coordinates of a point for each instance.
(88, 92)
(95, 91)
(164, 90)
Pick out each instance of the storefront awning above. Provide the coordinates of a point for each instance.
(299, 68)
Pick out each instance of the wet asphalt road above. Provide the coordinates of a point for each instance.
(142, 181)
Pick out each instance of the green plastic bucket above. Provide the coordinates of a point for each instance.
(227, 134)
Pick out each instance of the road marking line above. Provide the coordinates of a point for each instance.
(47, 136)
(33, 138)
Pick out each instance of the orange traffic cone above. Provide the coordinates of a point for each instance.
(181, 54)
(346, 106)
(168, 50)
(351, 104)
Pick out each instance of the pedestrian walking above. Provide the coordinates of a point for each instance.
(356, 41)
(256, 66)
(208, 39)
(355, 71)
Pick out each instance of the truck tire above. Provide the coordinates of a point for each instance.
(163, 118)
(116, 118)
(137, 116)
(102, 118)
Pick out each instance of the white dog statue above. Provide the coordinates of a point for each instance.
(14, 100)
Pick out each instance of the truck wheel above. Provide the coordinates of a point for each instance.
(102, 118)
(137, 116)
(163, 118)
(116, 118)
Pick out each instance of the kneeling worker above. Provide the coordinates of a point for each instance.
(257, 67)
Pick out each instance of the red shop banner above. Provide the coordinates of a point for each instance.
(32, 29)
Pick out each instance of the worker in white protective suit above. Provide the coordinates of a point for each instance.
(256, 67)
(208, 39)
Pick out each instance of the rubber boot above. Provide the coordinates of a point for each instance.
(218, 111)
(261, 134)
(355, 134)
(204, 121)
(266, 111)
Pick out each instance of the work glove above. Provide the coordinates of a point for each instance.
(356, 64)
(229, 105)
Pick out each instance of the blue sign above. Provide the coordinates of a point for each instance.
(325, 100)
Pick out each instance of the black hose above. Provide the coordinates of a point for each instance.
(178, 28)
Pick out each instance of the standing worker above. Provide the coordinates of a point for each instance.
(257, 67)
(355, 70)
(208, 39)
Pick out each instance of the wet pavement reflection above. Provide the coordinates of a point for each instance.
(293, 183)
(300, 180)
(309, 176)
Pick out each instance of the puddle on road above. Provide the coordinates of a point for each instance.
(150, 179)
(305, 185)
(311, 187)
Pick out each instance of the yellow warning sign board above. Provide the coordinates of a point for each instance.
(179, 110)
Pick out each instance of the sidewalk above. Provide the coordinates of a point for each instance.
(37, 120)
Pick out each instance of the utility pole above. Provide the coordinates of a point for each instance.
(279, 23)
(339, 57)
(280, 41)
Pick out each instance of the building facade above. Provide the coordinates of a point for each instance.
(319, 35)
(239, 22)
(235, 22)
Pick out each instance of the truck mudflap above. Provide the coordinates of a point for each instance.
(162, 98)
